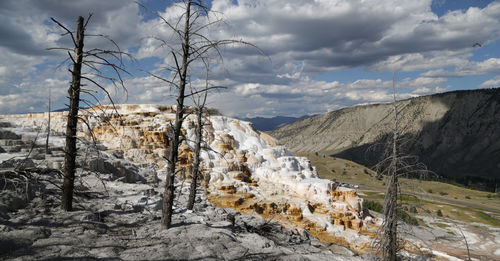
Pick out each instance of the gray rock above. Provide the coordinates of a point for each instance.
(119, 169)
(149, 175)
(17, 163)
(5, 134)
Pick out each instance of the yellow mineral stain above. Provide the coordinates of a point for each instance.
(289, 215)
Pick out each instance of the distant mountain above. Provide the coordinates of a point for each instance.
(267, 124)
(456, 134)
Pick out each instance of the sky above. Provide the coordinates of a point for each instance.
(314, 56)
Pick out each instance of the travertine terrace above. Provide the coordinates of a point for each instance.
(243, 169)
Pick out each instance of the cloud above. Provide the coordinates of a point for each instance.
(495, 82)
(469, 68)
(328, 35)
(301, 40)
(307, 96)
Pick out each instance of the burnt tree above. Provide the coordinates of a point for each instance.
(191, 48)
(74, 100)
(200, 107)
(394, 166)
(94, 60)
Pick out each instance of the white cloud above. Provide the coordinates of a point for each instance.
(302, 38)
(495, 82)
(491, 65)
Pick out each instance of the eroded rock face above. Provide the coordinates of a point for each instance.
(243, 169)
(454, 134)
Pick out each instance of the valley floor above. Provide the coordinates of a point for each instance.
(466, 215)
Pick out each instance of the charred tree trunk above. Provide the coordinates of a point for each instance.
(74, 95)
(48, 128)
(196, 163)
(168, 194)
(390, 212)
(390, 241)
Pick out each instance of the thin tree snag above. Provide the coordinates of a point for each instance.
(74, 95)
(48, 127)
(168, 194)
(196, 163)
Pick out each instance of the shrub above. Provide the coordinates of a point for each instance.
(443, 193)
(373, 205)
(439, 213)
(429, 190)
(413, 209)
(406, 217)
(467, 197)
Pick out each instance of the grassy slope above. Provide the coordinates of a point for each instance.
(454, 202)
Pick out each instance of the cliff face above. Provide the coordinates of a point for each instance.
(454, 134)
(242, 168)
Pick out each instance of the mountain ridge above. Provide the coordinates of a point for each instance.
(268, 124)
(456, 134)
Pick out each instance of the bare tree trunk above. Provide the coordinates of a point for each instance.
(389, 241)
(196, 163)
(74, 95)
(168, 194)
(48, 128)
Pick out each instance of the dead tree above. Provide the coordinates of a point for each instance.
(200, 107)
(48, 126)
(197, 151)
(94, 59)
(395, 165)
(390, 226)
(194, 46)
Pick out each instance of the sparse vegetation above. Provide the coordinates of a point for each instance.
(441, 225)
(373, 205)
(405, 217)
(488, 219)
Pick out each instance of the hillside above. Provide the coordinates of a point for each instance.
(456, 134)
(268, 124)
